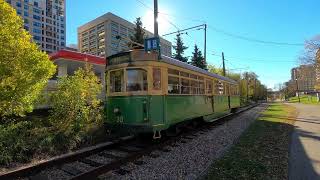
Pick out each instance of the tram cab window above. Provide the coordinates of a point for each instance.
(137, 80)
(116, 81)
(173, 85)
(156, 78)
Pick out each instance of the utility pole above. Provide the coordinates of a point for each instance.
(205, 43)
(156, 34)
(297, 87)
(297, 90)
(255, 90)
(223, 65)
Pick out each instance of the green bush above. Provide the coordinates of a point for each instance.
(76, 108)
(75, 120)
(16, 142)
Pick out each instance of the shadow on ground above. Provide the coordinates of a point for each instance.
(267, 149)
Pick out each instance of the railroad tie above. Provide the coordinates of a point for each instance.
(39, 177)
(110, 156)
(121, 171)
(128, 149)
(90, 162)
(70, 170)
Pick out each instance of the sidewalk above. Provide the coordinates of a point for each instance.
(304, 157)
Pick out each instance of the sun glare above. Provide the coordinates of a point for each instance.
(163, 24)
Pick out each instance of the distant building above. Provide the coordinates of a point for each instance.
(45, 20)
(99, 36)
(318, 70)
(305, 77)
(72, 47)
(69, 61)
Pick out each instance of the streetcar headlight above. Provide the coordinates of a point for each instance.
(116, 110)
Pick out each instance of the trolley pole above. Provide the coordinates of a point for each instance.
(156, 34)
(223, 65)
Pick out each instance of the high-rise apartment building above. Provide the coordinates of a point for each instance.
(45, 20)
(99, 36)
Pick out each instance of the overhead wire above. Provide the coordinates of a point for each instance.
(252, 39)
(254, 59)
(233, 35)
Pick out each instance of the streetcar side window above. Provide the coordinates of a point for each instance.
(137, 80)
(221, 88)
(216, 87)
(156, 78)
(185, 86)
(173, 71)
(218, 90)
(195, 87)
(116, 81)
(173, 85)
(201, 87)
(208, 87)
(226, 90)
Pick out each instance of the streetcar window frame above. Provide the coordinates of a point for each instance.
(113, 87)
(156, 78)
(143, 85)
(189, 83)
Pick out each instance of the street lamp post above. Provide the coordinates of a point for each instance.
(297, 90)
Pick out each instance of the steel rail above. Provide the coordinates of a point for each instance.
(66, 158)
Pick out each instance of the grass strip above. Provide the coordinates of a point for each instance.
(305, 99)
(262, 151)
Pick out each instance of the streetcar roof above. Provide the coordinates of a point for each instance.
(175, 62)
(184, 65)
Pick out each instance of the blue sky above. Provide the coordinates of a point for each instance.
(289, 21)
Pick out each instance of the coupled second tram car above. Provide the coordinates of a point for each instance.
(146, 94)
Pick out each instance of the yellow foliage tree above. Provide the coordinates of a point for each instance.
(24, 69)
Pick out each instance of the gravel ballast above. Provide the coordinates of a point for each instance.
(190, 160)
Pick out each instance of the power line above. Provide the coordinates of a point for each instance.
(252, 39)
(223, 31)
(254, 59)
(183, 17)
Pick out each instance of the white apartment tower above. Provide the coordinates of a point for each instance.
(99, 36)
(45, 20)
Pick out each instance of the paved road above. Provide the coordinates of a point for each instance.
(304, 160)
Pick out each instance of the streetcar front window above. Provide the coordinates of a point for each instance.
(116, 81)
(137, 80)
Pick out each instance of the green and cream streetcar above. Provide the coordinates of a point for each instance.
(148, 94)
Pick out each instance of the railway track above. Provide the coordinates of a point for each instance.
(112, 154)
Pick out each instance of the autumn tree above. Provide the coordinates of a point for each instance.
(197, 58)
(179, 48)
(232, 75)
(311, 55)
(311, 47)
(139, 33)
(24, 69)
